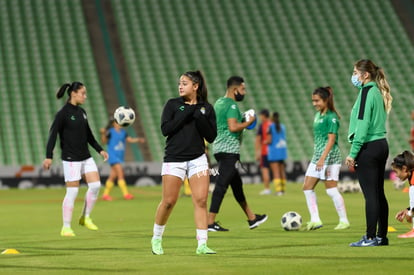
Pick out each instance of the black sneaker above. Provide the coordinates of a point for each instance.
(257, 221)
(382, 241)
(216, 227)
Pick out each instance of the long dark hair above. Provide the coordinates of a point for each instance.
(276, 121)
(197, 77)
(75, 86)
(377, 74)
(406, 158)
(326, 93)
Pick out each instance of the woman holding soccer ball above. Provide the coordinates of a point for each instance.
(186, 121)
(369, 147)
(71, 124)
(326, 160)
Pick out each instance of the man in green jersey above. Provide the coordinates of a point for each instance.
(226, 150)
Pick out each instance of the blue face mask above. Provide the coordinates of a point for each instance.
(355, 81)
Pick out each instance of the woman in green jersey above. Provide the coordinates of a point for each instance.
(369, 147)
(326, 160)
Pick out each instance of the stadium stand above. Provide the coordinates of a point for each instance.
(284, 49)
(44, 44)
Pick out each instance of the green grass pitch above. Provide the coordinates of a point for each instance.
(31, 223)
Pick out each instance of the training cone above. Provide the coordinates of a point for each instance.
(391, 229)
(10, 251)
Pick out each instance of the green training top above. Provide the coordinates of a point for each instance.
(324, 124)
(226, 141)
(368, 116)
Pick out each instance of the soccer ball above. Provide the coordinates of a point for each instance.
(291, 221)
(124, 116)
(246, 117)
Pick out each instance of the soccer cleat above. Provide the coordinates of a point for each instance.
(216, 227)
(157, 247)
(203, 249)
(257, 221)
(107, 198)
(128, 196)
(409, 234)
(364, 242)
(342, 225)
(67, 232)
(382, 241)
(87, 222)
(314, 225)
(265, 192)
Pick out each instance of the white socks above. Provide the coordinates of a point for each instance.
(312, 203)
(158, 231)
(68, 204)
(339, 203)
(202, 236)
(91, 197)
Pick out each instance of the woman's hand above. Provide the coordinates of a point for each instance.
(350, 162)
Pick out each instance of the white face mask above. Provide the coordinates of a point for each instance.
(355, 81)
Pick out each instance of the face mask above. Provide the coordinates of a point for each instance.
(355, 81)
(238, 97)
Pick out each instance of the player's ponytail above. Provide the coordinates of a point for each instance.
(276, 121)
(69, 88)
(197, 77)
(377, 74)
(406, 158)
(384, 88)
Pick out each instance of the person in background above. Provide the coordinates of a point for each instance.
(226, 149)
(116, 137)
(277, 153)
(411, 140)
(262, 151)
(71, 124)
(403, 166)
(369, 147)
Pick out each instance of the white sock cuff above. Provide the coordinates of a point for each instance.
(332, 191)
(72, 190)
(94, 185)
(411, 195)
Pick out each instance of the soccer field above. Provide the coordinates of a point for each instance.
(31, 223)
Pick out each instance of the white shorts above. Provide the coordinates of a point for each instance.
(73, 170)
(329, 172)
(186, 168)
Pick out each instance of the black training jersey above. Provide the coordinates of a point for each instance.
(186, 126)
(72, 125)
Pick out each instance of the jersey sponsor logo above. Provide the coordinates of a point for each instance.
(233, 106)
(334, 120)
(181, 108)
(72, 117)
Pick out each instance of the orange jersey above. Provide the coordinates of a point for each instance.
(263, 132)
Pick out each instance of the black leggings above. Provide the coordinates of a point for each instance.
(228, 175)
(370, 169)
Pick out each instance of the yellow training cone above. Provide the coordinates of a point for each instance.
(391, 229)
(10, 251)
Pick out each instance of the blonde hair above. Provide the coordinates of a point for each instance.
(378, 75)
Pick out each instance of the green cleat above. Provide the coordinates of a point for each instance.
(342, 225)
(157, 247)
(67, 232)
(313, 225)
(87, 222)
(203, 249)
